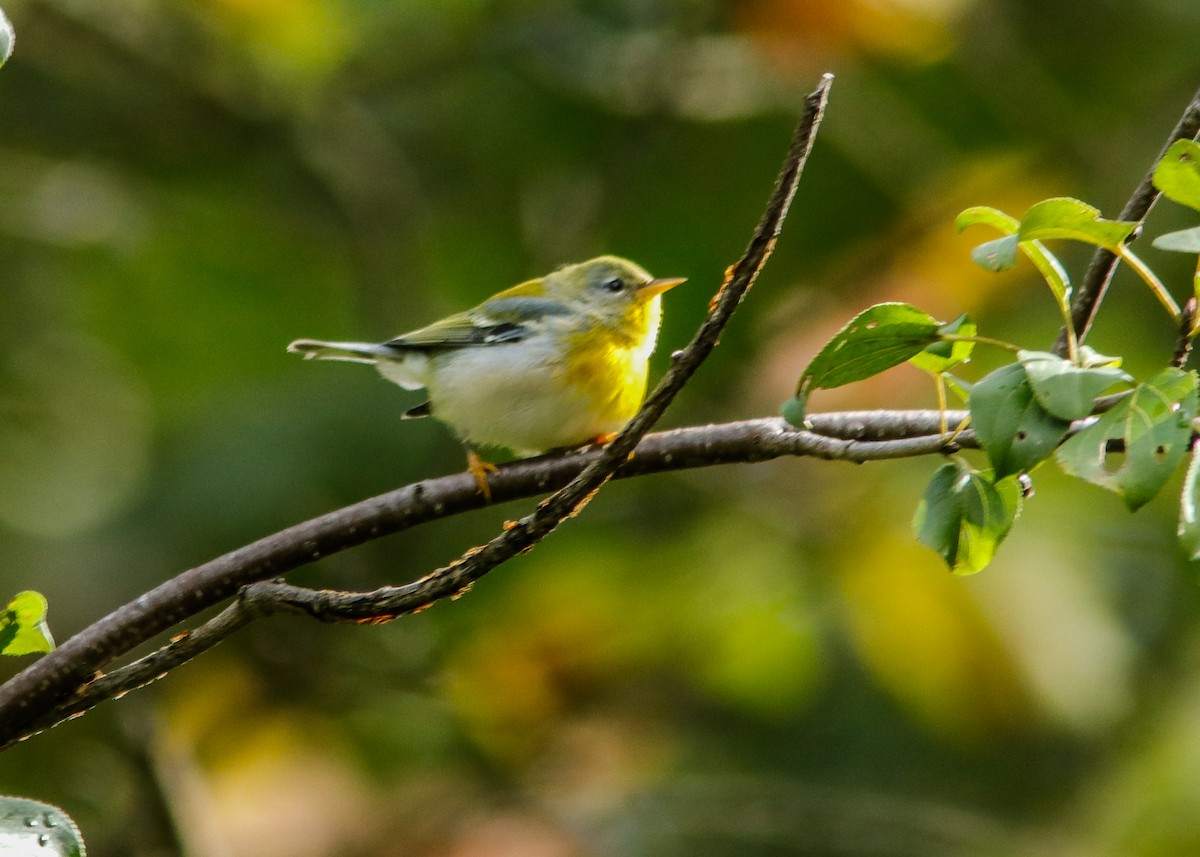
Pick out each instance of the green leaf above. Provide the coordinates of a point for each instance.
(959, 387)
(936, 522)
(1063, 389)
(1064, 217)
(7, 38)
(1182, 241)
(1090, 358)
(23, 629)
(876, 339)
(1014, 430)
(1000, 254)
(1189, 518)
(945, 354)
(964, 516)
(794, 408)
(30, 827)
(989, 511)
(996, 255)
(1050, 268)
(985, 215)
(1178, 174)
(1154, 428)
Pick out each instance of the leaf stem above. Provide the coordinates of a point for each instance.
(1059, 282)
(1196, 292)
(1150, 279)
(1069, 331)
(981, 340)
(940, 385)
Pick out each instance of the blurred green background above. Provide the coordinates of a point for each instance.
(751, 660)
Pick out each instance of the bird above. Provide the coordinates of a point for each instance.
(555, 362)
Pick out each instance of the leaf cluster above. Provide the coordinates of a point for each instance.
(1042, 404)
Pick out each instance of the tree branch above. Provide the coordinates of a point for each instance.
(1100, 270)
(855, 436)
(58, 678)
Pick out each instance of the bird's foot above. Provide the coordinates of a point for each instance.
(480, 469)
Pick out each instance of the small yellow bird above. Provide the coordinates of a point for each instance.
(558, 361)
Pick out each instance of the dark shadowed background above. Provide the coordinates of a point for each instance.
(753, 660)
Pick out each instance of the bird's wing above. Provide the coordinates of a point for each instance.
(425, 409)
(495, 321)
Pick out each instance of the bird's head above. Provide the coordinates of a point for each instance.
(613, 291)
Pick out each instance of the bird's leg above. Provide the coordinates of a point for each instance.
(602, 440)
(480, 470)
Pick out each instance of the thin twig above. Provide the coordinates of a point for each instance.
(852, 436)
(1187, 326)
(1104, 262)
(59, 676)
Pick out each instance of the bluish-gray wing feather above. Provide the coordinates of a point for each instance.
(495, 322)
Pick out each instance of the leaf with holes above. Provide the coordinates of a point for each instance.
(1178, 174)
(964, 516)
(1013, 428)
(876, 339)
(1064, 389)
(1134, 448)
(23, 629)
(1064, 217)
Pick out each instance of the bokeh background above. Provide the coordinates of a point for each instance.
(753, 660)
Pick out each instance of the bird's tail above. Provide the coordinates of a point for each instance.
(355, 352)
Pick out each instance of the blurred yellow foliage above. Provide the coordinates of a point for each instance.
(231, 764)
(307, 38)
(747, 628)
(925, 640)
(917, 30)
(521, 673)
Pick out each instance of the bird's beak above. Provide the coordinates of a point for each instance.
(657, 287)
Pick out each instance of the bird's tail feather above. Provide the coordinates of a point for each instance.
(355, 352)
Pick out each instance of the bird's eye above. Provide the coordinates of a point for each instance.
(613, 284)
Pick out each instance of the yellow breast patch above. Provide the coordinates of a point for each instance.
(610, 374)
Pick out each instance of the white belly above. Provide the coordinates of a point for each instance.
(511, 396)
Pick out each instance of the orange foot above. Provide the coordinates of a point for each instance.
(606, 439)
(480, 470)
